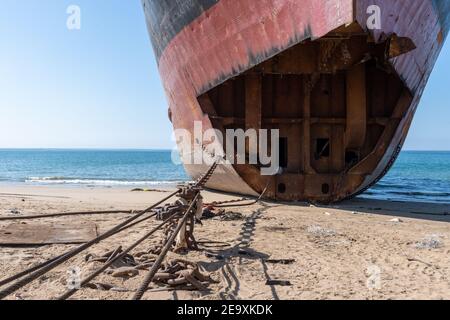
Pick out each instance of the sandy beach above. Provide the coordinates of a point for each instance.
(359, 249)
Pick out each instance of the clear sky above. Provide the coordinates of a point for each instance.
(98, 87)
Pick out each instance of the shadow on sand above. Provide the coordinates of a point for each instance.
(414, 210)
(240, 250)
(224, 252)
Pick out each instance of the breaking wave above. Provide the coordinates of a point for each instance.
(97, 182)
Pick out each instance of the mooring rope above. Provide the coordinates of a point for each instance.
(31, 274)
(91, 277)
(149, 278)
(64, 214)
(58, 261)
(226, 204)
(151, 274)
(43, 264)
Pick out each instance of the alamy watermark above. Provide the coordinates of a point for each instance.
(256, 147)
(373, 273)
(73, 21)
(73, 278)
(374, 20)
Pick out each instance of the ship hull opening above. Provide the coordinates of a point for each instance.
(334, 100)
(341, 88)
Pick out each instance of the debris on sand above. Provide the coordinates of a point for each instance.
(183, 275)
(223, 215)
(208, 213)
(244, 252)
(283, 283)
(106, 287)
(280, 261)
(176, 274)
(275, 228)
(430, 242)
(318, 231)
(232, 216)
(15, 211)
(396, 220)
(148, 190)
(124, 272)
(214, 256)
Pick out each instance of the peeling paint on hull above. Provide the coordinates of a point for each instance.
(200, 44)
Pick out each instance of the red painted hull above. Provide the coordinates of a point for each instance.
(231, 37)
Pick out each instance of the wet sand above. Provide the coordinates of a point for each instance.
(359, 249)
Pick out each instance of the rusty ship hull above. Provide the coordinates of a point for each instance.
(342, 92)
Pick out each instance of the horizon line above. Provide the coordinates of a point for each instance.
(148, 149)
(89, 148)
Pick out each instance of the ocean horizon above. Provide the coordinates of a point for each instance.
(420, 176)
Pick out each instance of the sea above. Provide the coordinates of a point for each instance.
(416, 176)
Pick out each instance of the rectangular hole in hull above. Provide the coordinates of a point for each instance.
(283, 152)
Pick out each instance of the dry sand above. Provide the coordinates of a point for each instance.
(360, 249)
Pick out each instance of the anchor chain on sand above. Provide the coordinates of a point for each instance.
(178, 221)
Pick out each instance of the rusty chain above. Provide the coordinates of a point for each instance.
(186, 275)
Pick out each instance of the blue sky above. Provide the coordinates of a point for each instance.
(98, 87)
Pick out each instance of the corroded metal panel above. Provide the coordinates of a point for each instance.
(419, 21)
(41, 234)
(234, 36)
(166, 18)
(443, 11)
(228, 39)
(425, 22)
(200, 44)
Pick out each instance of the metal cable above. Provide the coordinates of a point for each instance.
(64, 214)
(39, 270)
(43, 264)
(149, 278)
(204, 180)
(50, 266)
(28, 271)
(240, 200)
(91, 277)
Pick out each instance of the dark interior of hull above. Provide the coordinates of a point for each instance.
(337, 103)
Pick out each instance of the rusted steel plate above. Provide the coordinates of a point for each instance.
(233, 36)
(417, 20)
(169, 17)
(202, 43)
(226, 39)
(41, 234)
(443, 10)
(425, 22)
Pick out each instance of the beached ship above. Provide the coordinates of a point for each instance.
(340, 79)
